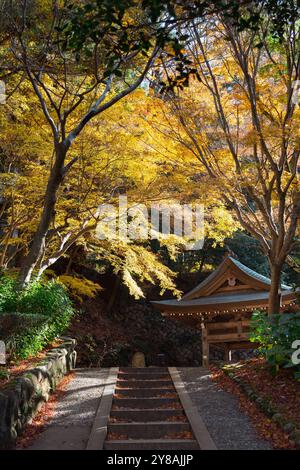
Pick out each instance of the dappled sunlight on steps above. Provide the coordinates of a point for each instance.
(147, 414)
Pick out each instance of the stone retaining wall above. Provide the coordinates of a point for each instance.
(180, 343)
(22, 397)
(151, 333)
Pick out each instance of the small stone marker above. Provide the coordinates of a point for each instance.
(138, 360)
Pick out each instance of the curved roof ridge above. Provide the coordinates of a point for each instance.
(255, 274)
(223, 266)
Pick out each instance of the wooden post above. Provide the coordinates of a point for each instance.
(227, 355)
(239, 328)
(205, 346)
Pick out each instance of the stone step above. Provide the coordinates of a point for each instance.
(154, 430)
(143, 392)
(139, 370)
(145, 383)
(152, 444)
(146, 415)
(143, 376)
(145, 403)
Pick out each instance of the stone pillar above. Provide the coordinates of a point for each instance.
(227, 353)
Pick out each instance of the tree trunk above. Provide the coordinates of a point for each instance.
(274, 296)
(71, 259)
(48, 213)
(113, 296)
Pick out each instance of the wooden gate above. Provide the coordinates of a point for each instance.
(232, 335)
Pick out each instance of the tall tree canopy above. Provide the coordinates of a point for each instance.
(237, 122)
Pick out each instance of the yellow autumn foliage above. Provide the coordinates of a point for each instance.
(80, 287)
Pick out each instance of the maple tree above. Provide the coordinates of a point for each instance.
(64, 86)
(238, 123)
(110, 161)
(80, 61)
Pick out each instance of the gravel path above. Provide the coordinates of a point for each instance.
(74, 414)
(71, 425)
(228, 426)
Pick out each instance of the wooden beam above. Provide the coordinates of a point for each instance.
(228, 324)
(238, 287)
(227, 337)
(243, 345)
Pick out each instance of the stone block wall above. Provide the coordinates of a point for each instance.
(153, 334)
(22, 397)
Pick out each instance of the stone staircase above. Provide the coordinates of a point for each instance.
(146, 413)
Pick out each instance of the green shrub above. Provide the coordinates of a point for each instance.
(275, 335)
(33, 317)
(45, 298)
(7, 293)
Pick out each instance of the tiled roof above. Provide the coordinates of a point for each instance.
(228, 298)
(255, 275)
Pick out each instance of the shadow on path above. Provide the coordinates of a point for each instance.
(74, 414)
